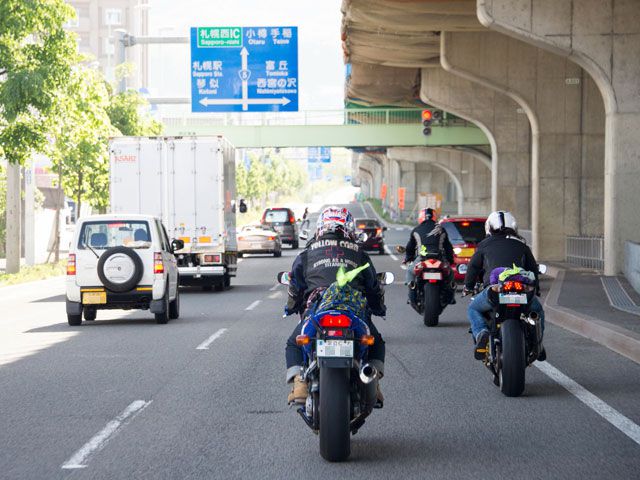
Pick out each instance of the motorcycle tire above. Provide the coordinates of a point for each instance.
(513, 361)
(335, 410)
(431, 304)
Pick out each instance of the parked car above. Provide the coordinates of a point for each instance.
(122, 261)
(283, 221)
(258, 239)
(464, 233)
(375, 234)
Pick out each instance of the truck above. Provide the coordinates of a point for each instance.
(189, 183)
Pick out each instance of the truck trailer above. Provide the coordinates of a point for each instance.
(190, 183)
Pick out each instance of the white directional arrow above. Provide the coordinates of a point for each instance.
(242, 101)
(244, 53)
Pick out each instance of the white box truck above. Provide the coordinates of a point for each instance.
(190, 183)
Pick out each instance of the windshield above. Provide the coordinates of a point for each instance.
(276, 216)
(464, 232)
(101, 235)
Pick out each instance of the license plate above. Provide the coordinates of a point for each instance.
(334, 348)
(256, 245)
(94, 298)
(432, 276)
(514, 298)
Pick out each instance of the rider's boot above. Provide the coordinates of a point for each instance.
(480, 349)
(299, 392)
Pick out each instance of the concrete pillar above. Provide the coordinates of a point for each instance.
(29, 215)
(602, 36)
(507, 129)
(13, 219)
(549, 89)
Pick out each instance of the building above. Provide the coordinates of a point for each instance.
(97, 23)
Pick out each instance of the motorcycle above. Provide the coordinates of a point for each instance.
(342, 384)
(431, 297)
(515, 332)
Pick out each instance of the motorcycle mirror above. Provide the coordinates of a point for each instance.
(362, 237)
(386, 278)
(284, 278)
(400, 249)
(542, 269)
(304, 234)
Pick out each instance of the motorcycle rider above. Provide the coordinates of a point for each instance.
(428, 237)
(316, 267)
(502, 247)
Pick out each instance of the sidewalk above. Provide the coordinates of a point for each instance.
(577, 301)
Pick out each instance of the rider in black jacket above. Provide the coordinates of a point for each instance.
(316, 267)
(428, 237)
(503, 247)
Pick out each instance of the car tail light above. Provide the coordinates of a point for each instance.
(271, 238)
(292, 219)
(361, 226)
(512, 286)
(71, 264)
(158, 264)
(338, 320)
(212, 258)
(378, 232)
(242, 239)
(465, 224)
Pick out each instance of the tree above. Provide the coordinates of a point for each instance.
(126, 113)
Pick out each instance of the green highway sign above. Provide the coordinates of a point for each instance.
(212, 37)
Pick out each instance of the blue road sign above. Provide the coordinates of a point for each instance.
(319, 155)
(244, 69)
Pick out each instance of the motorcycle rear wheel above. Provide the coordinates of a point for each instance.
(432, 305)
(335, 410)
(513, 362)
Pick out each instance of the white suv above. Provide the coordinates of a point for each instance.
(122, 262)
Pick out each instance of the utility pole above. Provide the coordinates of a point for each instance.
(29, 214)
(13, 218)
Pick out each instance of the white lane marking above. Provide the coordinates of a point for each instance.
(388, 250)
(253, 305)
(240, 260)
(275, 295)
(275, 287)
(205, 345)
(98, 441)
(606, 411)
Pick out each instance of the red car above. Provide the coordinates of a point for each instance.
(464, 233)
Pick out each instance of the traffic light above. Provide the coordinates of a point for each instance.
(427, 118)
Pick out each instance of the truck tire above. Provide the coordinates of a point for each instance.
(74, 320)
(112, 261)
(335, 409)
(513, 362)
(432, 304)
(174, 306)
(227, 281)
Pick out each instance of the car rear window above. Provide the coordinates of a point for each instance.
(364, 223)
(464, 232)
(101, 235)
(276, 216)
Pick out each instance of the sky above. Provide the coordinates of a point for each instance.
(321, 68)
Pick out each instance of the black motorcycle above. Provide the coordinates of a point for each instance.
(342, 384)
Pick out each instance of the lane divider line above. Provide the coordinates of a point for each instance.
(205, 345)
(98, 441)
(240, 260)
(253, 305)
(606, 411)
(388, 250)
(275, 287)
(275, 295)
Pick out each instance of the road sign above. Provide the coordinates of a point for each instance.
(401, 197)
(319, 155)
(383, 191)
(244, 69)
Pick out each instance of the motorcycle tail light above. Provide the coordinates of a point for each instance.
(71, 264)
(431, 263)
(158, 265)
(335, 333)
(512, 286)
(302, 340)
(367, 340)
(338, 320)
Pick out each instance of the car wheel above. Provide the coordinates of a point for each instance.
(90, 314)
(174, 306)
(240, 254)
(381, 250)
(277, 253)
(163, 318)
(74, 320)
(120, 269)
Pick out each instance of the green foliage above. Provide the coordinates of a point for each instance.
(33, 273)
(125, 112)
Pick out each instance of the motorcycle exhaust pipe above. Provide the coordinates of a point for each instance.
(368, 373)
(534, 316)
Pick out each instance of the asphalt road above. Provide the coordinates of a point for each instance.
(170, 410)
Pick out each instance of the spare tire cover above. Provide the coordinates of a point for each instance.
(120, 269)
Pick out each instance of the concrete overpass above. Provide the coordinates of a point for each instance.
(554, 86)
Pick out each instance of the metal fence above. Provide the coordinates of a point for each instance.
(587, 252)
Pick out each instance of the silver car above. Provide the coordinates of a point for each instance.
(259, 239)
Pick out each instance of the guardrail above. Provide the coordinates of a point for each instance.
(587, 252)
(350, 116)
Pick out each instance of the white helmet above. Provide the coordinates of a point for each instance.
(500, 220)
